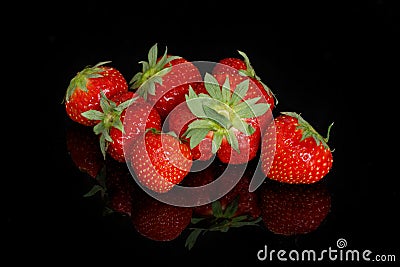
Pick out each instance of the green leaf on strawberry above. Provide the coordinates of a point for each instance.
(110, 117)
(308, 131)
(222, 111)
(81, 79)
(250, 72)
(152, 72)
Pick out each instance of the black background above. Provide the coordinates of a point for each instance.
(331, 61)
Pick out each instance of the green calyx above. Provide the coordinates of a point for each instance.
(109, 117)
(100, 188)
(152, 72)
(80, 80)
(250, 72)
(221, 221)
(222, 111)
(308, 131)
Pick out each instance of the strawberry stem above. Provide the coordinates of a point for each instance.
(328, 133)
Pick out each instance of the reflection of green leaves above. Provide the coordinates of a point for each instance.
(221, 221)
(100, 188)
(192, 238)
(95, 189)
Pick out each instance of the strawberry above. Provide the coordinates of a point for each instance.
(293, 209)
(158, 221)
(125, 117)
(160, 160)
(301, 154)
(178, 121)
(83, 92)
(240, 69)
(164, 81)
(248, 145)
(83, 148)
(234, 122)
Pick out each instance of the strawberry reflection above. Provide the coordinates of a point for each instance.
(283, 208)
(237, 208)
(246, 202)
(83, 148)
(116, 187)
(151, 218)
(293, 209)
(156, 220)
(120, 187)
(121, 195)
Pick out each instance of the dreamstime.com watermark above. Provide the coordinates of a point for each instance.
(338, 253)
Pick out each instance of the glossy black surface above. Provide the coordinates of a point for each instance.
(330, 62)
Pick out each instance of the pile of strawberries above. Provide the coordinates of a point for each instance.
(170, 115)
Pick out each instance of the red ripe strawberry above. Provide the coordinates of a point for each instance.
(125, 117)
(165, 80)
(234, 122)
(83, 148)
(160, 160)
(159, 221)
(248, 143)
(301, 155)
(293, 209)
(83, 92)
(180, 117)
(178, 121)
(240, 69)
